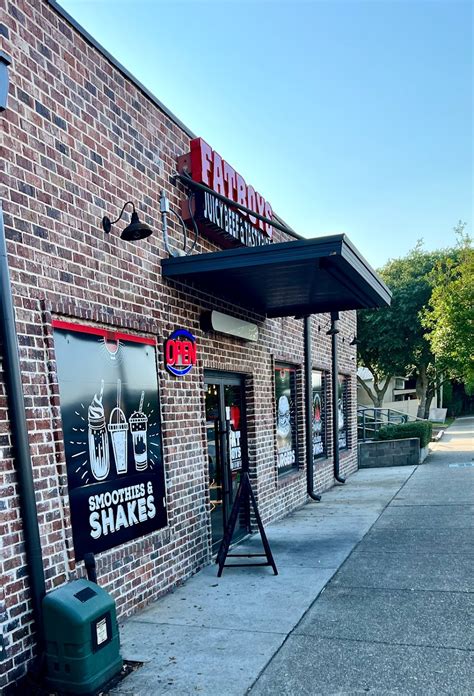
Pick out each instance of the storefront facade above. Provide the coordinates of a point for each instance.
(141, 416)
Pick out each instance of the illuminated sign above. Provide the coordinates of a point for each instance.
(215, 218)
(180, 352)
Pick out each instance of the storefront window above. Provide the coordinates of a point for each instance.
(286, 418)
(342, 404)
(319, 414)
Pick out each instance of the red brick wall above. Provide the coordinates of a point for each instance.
(79, 140)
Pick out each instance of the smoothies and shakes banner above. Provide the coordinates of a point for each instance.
(112, 435)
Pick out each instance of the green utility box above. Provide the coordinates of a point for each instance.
(82, 639)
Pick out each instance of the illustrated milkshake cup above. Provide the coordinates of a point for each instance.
(118, 429)
(138, 427)
(98, 438)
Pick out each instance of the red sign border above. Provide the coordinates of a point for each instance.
(109, 335)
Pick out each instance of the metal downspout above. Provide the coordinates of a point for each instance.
(309, 408)
(333, 332)
(20, 442)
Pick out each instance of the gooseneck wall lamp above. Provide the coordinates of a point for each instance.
(135, 231)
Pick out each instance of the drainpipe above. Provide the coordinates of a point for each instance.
(20, 442)
(91, 567)
(333, 332)
(309, 408)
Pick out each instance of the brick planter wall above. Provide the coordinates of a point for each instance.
(81, 139)
(404, 452)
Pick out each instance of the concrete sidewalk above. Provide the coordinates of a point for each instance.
(393, 550)
(397, 618)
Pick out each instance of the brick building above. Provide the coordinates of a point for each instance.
(82, 137)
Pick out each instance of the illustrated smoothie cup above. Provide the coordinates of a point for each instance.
(118, 429)
(98, 438)
(138, 427)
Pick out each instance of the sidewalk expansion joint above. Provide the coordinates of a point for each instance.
(401, 552)
(401, 589)
(369, 641)
(314, 567)
(419, 527)
(207, 628)
(442, 505)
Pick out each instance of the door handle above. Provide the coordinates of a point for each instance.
(224, 429)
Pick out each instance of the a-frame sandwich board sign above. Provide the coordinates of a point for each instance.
(244, 494)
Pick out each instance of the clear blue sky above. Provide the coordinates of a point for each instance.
(348, 116)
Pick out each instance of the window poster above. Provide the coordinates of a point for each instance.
(285, 397)
(342, 410)
(234, 436)
(319, 414)
(112, 435)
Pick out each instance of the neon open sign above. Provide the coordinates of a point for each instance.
(180, 352)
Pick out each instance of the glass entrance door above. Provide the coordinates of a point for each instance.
(227, 449)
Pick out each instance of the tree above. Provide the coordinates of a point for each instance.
(449, 318)
(392, 341)
(375, 330)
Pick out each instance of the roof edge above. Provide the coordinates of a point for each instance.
(353, 250)
(126, 73)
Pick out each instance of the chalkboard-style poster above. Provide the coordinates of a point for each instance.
(112, 435)
(342, 419)
(286, 420)
(319, 414)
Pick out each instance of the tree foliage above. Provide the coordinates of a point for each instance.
(396, 340)
(449, 316)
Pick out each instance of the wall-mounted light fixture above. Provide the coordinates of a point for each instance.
(225, 324)
(135, 231)
(334, 328)
(352, 342)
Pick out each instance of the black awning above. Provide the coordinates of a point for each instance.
(308, 276)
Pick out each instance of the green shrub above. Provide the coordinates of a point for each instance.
(421, 429)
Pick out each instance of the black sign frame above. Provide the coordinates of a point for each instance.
(286, 418)
(342, 408)
(319, 380)
(111, 417)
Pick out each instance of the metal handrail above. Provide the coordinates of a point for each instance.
(390, 410)
(369, 425)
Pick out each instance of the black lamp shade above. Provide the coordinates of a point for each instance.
(136, 230)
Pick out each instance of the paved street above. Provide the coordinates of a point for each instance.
(375, 594)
